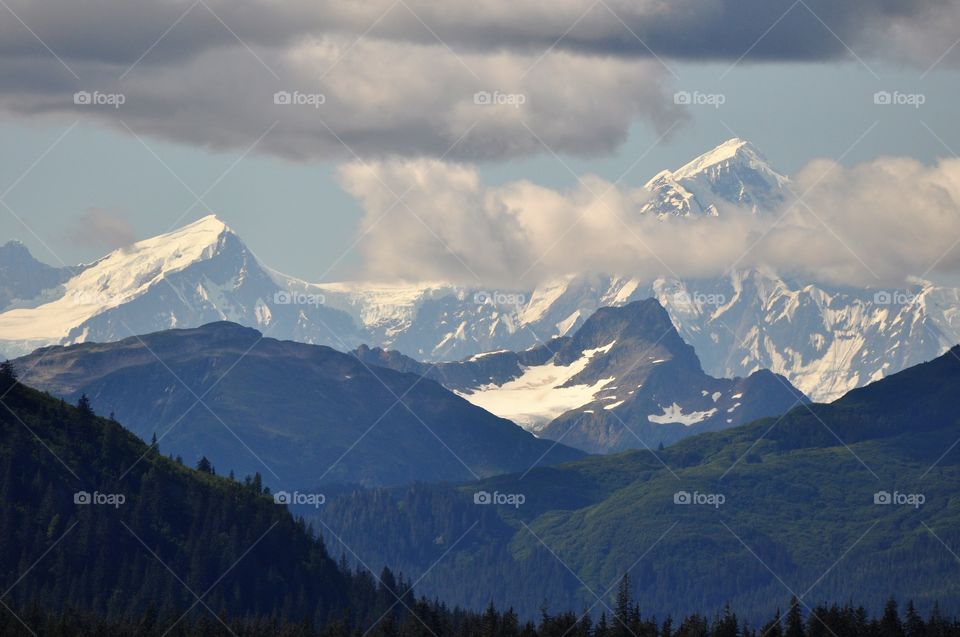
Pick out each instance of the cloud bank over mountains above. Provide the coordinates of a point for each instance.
(870, 224)
(401, 77)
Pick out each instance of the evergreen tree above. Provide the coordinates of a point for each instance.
(773, 628)
(490, 623)
(602, 629)
(913, 627)
(83, 405)
(666, 630)
(204, 466)
(726, 625)
(936, 624)
(890, 624)
(622, 611)
(8, 375)
(794, 619)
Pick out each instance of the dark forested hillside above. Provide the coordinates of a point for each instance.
(122, 529)
(301, 415)
(102, 535)
(96, 526)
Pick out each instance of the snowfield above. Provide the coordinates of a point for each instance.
(536, 397)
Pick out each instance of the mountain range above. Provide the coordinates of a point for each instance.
(301, 415)
(623, 380)
(859, 495)
(825, 340)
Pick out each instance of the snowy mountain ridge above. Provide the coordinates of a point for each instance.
(824, 340)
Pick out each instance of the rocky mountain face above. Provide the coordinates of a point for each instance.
(623, 380)
(24, 279)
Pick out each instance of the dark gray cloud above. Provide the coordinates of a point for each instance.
(398, 77)
(379, 98)
(118, 31)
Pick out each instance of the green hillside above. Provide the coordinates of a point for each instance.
(798, 513)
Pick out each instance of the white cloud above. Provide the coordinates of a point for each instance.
(871, 224)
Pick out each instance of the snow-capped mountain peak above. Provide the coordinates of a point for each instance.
(116, 279)
(735, 172)
(193, 238)
(735, 150)
(127, 272)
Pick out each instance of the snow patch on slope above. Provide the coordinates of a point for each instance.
(674, 414)
(537, 396)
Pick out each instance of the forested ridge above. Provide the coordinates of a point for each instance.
(187, 552)
(799, 507)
